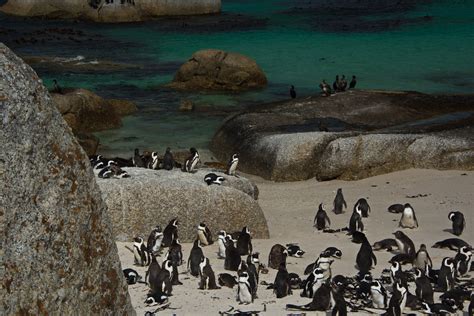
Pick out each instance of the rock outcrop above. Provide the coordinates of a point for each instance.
(57, 248)
(154, 197)
(213, 69)
(351, 135)
(115, 11)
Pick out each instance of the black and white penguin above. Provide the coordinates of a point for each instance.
(408, 219)
(343, 83)
(405, 244)
(397, 274)
(163, 282)
(232, 165)
(175, 253)
(321, 300)
(212, 178)
(458, 222)
(422, 258)
(152, 274)
(168, 160)
(140, 252)
(396, 208)
(332, 252)
(195, 258)
(446, 275)
(338, 300)
(312, 283)
(221, 243)
(281, 285)
(353, 82)
(154, 162)
(398, 300)
(424, 290)
(295, 281)
(170, 233)
(324, 263)
(232, 257)
(131, 276)
(292, 92)
(364, 286)
(452, 243)
(154, 241)
(138, 159)
(225, 279)
(294, 250)
(364, 207)
(244, 242)
(208, 278)
(462, 261)
(253, 271)
(438, 309)
(378, 295)
(355, 222)
(156, 298)
(191, 161)
(204, 235)
(365, 257)
(277, 255)
(339, 202)
(321, 219)
(388, 244)
(244, 290)
(105, 173)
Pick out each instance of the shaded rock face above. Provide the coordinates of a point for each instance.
(213, 69)
(369, 133)
(58, 251)
(154, 197)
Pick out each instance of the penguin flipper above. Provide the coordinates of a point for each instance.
(345, 205)
(374, 258)
(298, 307)
(328, 220)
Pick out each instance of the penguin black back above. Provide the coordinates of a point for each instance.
(339, 202)
(170, 233)
(168, 160)
(232, 257)
(365, 257)
(364, 206)
(282, 285)
(244, 242)
(321, 220)
(458, 222)
(195, 258)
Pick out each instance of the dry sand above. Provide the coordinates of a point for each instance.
(290, 208)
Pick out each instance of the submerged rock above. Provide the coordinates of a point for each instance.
(213, 69)
(58, 251)
(154, 197)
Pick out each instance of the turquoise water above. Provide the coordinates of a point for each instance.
(409, 52)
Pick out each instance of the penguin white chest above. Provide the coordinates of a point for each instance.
(202, 238)
(244, 295)
(221, 248)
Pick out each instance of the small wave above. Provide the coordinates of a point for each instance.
(69, 60)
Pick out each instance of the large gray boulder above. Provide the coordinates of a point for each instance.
(154, 197)
(58, 254)
(351, 135)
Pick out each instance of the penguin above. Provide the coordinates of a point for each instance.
(170, 233)
(423, 290)
(221, 243)
(364, 286)
(253, 271)
(294, 251)
(138, 160)
(212, 178)
(332, 252)
(244, 242)
(365, 257)
(378, 295)
(397, 274)
(168, 160)
(343, 84)
(321, 219)
(462, 261)
(388, 244)
(396, 208)
(281, 285)
(208, 278)
(232, 256)
(446, 275)
(405, 244)
(195, 258)
(244, 290)
(277, 255)
(339, 202)
(191, 162)
(103, 166)
(105, 173)
(154, 241)
(358, 237)
(321, 300)
(56, 87)
(312, 283)
(293, 92)
(324, 263)
(131, 276)
(204, 235)
(163, 282)
(340, 304)
(154, 162)
(408, 219)
(438, 309)
(152, 274)
(119, 173)
(355, 222)
(452, 243)
(155, 299)
(232, 165)
(422, 258)
(140, 252)
(353, 82)
(295, 281)
(364, 206)
(398, 300)
(225, 279)
(175, 254)
(458, 222)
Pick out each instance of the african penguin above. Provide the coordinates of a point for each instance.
(424, 290)
(195, 258)
(244, 290)
(232, 257)
(458, 222)
(295, 281)
(355, 222)
(398, 300)
(170, 233)
(397, 274)
(204, 235)
(294, 250)
(212, 178)
(154, 161)
(168, 161)
(131, 276)
(163, 281)
(405, 244)
(138, 159)
(338, 301)
(332, 252)
(422, 258)
(152, 273)
(175, 254)
(321, 300)
(378, 295)
(155, 299)
(253, 271)
(312, 283)
(277, 255)
(140, 252)
(321, 219)
(208, 278)
(437, 309)
(339, 202)
(408, 219)
(462, 261)
(388, 244)
(225, 279)
(191, 161)
(221, 243)
(244, 242)
(281, 285)
(364, 286)
(452, 243)
(396, 208)
(446, 275)
(232, 165)
(154, 240)
(365, 257)
(364, 207)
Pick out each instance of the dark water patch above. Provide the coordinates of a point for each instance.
(454, 79)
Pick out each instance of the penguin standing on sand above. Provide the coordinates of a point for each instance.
(277, 255)
(204, 235)
(140, 252)
(195, 258)
(244, 290)
(281, 285)
(168, 160)
(293, 92)
(446, 275)
(422, 258)
(405, 244)
(232, 257)
(208, 278)
(462, 261)
(458, 222)
(321, 219)
(244, 242)
(363, 205)
(232, 165)
(408, 219)
(353, 82)
(378, 295)
(321, 300)
(192, 161)
(398, 300)
(152, 274)
(365, 257)
(154, 241)
(221, 243)
(355, 222)
(170, 233)
(163, 283)
(339, 202)
(138, 159)
(424, 290)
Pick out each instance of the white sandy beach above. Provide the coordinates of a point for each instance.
(290, 208)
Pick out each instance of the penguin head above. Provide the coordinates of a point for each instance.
(154, 155)
(339, 191)
(193, 150)
(422, 247)
(254, 258)
(418, 273)
(395, 265)
(167, 265)
(174, 222)
(376, 285)
(202, 227)
(197, 243)
(448, 262)
(243, 276)
(138, 240)
(235, 156)
(245, 230)
(451, 215)
(407, 205)
(320, 207)
(340, 280)
(243, 265)
(299, 253)
(318, 274)
(426, 307)
(367, 278)
(465, 251)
